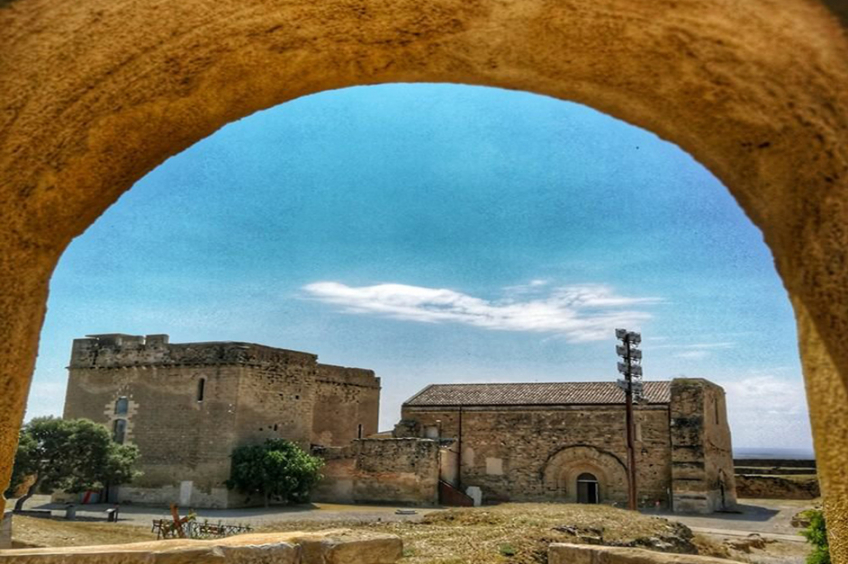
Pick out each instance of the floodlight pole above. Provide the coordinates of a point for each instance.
(631, 450)
(630, 356)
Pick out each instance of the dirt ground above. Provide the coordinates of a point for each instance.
(513, 533)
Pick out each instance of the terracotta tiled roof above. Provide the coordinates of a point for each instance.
(552, 393)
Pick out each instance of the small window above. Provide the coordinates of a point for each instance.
(121, 405)
(119, 431)
(715, 405)
(201, 389)
(359, 431)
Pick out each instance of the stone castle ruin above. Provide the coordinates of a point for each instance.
(187, 406)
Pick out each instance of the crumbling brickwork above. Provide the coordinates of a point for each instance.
(187, 406)
(348, 398)
(404, 470)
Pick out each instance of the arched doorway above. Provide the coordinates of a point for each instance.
(588, 489)
(92, 112)
(584, 474)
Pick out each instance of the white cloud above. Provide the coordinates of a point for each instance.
(694, 351)
(768, 411)
(580, 313)
(692, 354)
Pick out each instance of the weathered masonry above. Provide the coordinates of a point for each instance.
(187, 406)
(566, 441)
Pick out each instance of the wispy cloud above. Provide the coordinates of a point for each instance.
(694, 351)
(585, 312)
(767, 410)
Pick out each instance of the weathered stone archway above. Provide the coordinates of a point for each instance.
(98, 92)
(561, 471)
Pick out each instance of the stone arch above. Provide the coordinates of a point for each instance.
(98, 92)
(562, 469)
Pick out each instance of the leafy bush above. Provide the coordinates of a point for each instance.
(277, 469)
(68, 454)
(816, 534)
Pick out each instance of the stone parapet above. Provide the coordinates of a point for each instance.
(119, 350)
(592, 554)
(341, 546)
(344, 375)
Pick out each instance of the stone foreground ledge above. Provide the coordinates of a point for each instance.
(341, 546)
(593, 554)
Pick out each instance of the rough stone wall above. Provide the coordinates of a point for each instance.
(523, 453)
(250, 393)
(180, 438)
(349, 400)
(380, 470)
(5, 530)
(334, 546)
(777, 487)
(276, 400)
(585, 554)
(702, 457)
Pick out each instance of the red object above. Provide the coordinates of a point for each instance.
(449, 495)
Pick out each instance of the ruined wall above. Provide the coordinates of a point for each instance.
(702, 457)
(349, 405)
(380, 471)
(522, 453)
(777, 487)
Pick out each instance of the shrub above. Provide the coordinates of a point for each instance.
(816, 534)
(277, 469)
(68, 454)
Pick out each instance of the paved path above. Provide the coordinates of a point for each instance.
(772, 516)
(254, 516)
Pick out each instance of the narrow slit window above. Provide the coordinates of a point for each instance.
(119, 431)
(201, 389)
(715, 405)
(359, 431)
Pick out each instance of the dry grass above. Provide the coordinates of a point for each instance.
(37, 531)
(509, 533)
(514, 533)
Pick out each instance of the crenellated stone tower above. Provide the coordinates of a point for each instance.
(187, 406)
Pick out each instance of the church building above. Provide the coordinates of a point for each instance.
(566, 441)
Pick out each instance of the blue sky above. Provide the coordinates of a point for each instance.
(442, 233)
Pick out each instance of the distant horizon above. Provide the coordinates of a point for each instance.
(755, 453)
(441, 234)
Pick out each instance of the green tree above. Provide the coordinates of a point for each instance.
(69, 454)
(275, 469)
(816, 535)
